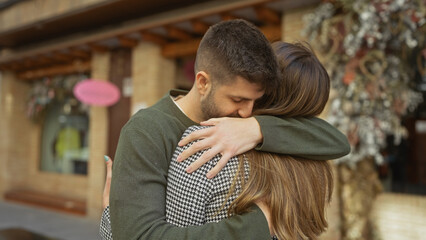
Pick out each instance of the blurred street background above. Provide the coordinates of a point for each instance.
(53, 224)
(52, 140)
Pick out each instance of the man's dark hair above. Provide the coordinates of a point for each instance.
(237, 48)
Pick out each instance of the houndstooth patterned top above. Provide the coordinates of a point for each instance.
(193, 199)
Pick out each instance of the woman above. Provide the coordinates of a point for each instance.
(292, 193)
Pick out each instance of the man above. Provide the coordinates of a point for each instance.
(235, 66)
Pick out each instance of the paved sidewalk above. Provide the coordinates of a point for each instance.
(46, 222)
(400, 216)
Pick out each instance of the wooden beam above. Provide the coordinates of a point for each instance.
(189, 47)
(98, 48)
(75, 67)
(3, 67)
(267, 15)
(29, 63)
(127, 42)
(79, 53)
(61, 57)
(194, 11)
(176, 33)
(228, 16)
(13, 66)
(180, 49)
(272, 32)
(43, 60)
(199, 27)
(153, 37)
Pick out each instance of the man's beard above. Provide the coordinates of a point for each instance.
(209, 108)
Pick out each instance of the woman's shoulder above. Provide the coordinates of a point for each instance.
(192, 129)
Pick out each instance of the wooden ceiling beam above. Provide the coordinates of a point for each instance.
(21, 64)
(38, 62)
(29, 63)
(43, 60)
(75, 67)
(180, 49)
(153, 37)
(10, 66)
(272, 32)
(228, 16)
(79, 53)
(177, 33)
(187, 44)
(61, 56)
(189, 47)
(196, 11)
(98, 48)
(267, 15)
(199, 27)
(14, 66)
(127, 42)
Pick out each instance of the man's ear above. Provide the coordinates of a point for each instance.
(203, 82)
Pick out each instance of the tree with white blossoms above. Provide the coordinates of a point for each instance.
(373, 50)
(368, 47)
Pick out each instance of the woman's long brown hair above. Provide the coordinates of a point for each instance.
(296, 190)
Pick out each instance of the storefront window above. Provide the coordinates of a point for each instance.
(65, 126)
(65, 139)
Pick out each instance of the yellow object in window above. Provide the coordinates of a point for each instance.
(68, 139)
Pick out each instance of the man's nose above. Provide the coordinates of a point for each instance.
(246, 110)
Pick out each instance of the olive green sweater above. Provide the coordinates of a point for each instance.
(144, 151)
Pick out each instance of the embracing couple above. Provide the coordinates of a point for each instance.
(242, 155)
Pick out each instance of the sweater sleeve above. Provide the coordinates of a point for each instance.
(311, 138)
(138, 194)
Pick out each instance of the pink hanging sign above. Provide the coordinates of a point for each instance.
(97, 92)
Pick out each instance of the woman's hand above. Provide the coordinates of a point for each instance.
(105, 198)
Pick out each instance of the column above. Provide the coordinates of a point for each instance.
(152, 74)
(19, 136)
(98, 140)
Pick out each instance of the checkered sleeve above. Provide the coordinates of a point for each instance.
(105, 226)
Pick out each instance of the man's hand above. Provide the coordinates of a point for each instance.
(228, 136)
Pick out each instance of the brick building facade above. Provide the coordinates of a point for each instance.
(155, 67)
(44, 38)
